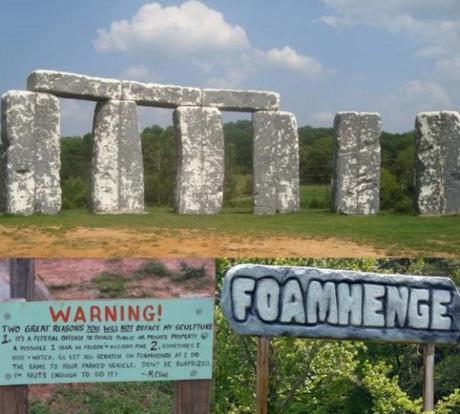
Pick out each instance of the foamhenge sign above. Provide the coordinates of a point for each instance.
(31, 140)
(324, 303)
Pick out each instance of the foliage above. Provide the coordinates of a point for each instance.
(387, 396)
(159, 156)
(75, 170)
(110, 284)
(75, 193)
(397, 177)
(238, 157)
(392, 195)
(152, 268)
(316, 161)
(315, 166)
(191, 272)
(114, 398)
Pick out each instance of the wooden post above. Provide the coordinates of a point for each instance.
(263, 353)
(192, 397)
(14, 399)
(22, 278)
(428, 377)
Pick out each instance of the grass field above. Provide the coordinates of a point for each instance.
(397, 234)
(103, 398)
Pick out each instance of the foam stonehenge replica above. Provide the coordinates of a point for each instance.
(31, 159)
(31, 134)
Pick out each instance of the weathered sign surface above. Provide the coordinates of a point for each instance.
(325, 303)
(116, 340)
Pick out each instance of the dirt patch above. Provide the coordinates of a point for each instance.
(101, 242)
(78, 278)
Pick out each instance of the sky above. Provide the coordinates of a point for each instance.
(395, 57)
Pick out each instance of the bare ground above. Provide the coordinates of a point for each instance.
(103, 243)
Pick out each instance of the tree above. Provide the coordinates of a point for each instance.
(159, 157)
(75, 171)
(316, 161)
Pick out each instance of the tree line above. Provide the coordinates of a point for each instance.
(158, 150)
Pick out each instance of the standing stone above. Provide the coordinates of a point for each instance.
(437, 165)
(275, 162)
(31, 160)
(200, 160)
(117, 169)
(356, 163)
(47, 155)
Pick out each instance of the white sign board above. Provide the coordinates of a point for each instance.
(325, 303)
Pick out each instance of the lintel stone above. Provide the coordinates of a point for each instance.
(166, 96)
(72, 85)
(240, 100)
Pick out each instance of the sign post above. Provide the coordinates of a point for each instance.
(263, 355)
(428, 377)
(14, 398)
(192, 397)
(324, 303)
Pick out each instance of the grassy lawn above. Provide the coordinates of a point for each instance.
(113, 398)
(395, 233)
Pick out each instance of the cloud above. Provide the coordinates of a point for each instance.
(201, 38)
(400, 107)
(433, 25)
(189, 28)
(450, 66)
(381, 12)
(429, 95)
(230, 80)
(139, 73)
(288, 58)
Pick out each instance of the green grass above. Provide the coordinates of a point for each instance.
(312, 195)
(113, 398)
(110, 284)
(152, 268)
(191, 273)
(155, 268)
(397, 233)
